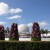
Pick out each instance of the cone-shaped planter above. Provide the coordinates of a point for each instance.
(14, 32)
(36, 36)
(2, 36)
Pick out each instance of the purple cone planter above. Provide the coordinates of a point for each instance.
(14, 32)
(36, 31)
(2, 36)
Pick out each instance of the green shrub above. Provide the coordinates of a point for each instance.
(16, 39)
(17, 45)
(35, 39)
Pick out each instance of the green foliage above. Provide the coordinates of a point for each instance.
(44, 31)
(17, 45)
(35, 39)
(16, 39)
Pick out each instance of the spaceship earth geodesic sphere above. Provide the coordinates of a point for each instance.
(23, 29)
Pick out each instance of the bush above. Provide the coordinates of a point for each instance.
(16, 39)
(35, 39)
(17, 45)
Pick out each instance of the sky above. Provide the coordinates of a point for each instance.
(25, 12)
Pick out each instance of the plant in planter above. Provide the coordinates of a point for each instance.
(36, 36)
(2, 35)
(14, 32)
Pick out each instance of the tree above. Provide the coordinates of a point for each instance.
(42, 31)
(7, 32)
(7, 29)
(46, 31)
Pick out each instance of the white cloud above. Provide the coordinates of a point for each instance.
(17, 10)
(2, 22)
(14, 17)
(4, 9)
(43, 23)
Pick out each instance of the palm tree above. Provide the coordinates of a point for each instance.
(7, 29)
(6, 32)
(46, 31)
(42, 31)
